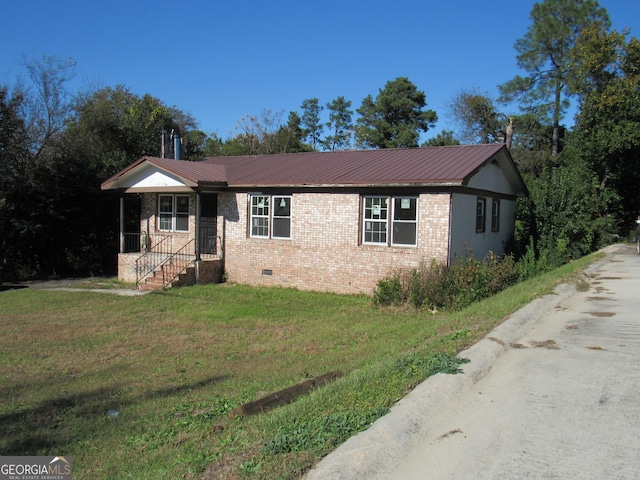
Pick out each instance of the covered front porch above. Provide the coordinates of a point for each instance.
(160, 261)
(174, 240)
(169, 223)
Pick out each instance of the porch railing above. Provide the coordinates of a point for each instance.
(156, 249)
(157, 252)
(208, 241)
(142, 243)
(177, 263)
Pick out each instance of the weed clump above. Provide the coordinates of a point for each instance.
(329, 430)
(437, 286)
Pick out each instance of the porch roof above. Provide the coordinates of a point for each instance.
(189, 174)
(433, 166)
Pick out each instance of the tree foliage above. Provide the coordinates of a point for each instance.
(477, 117)
(14, 181)
(546, 53)
(564, 208)
(263, 134)
(607, 131)
(310, 121)
(446, 137)
(395, 118)
(54, 156)
(339, 125)
(47, 103)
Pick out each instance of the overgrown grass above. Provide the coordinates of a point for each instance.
(140, 387)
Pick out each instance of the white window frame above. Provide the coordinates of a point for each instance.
(380, 211)
(375, 212)
(264, 214)
(258, 219)
(277, 214)
(172, 215)
(396, 221)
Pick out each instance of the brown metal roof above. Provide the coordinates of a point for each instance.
(411, 166)
(194, 171)
(191, 173)
(451, 165)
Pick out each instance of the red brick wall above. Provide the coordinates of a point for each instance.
(324, 252)
(209, 271)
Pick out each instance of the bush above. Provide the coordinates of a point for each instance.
(388, 292)
(437, 286)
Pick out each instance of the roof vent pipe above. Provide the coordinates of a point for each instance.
(176, 146)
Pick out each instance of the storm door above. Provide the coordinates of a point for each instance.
(208, 234)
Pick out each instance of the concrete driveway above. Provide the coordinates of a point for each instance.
(553, 393)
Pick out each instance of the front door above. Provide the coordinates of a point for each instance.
(208, 228)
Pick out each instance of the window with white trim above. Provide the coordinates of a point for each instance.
(270, 216)
(375, 220)
(495, 215)
(173, 213)
(481, 208)
(405, 221)
(281, 217)
(384, 214)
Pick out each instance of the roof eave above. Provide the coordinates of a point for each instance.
(452, 183)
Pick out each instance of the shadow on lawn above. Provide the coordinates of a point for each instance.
(52, 427)
(4, 288)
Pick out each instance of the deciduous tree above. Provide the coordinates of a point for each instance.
(477, 117)
(14, 184)
(607, 130)
(47, 102)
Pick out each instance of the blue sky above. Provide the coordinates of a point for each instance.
(219, 60)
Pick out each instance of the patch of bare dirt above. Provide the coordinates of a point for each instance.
(228, 467)
(548, 344)
(449, 433)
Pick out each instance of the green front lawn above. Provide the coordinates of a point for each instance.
(141, 387)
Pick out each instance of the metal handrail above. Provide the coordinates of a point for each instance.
(153, 256)
(159, 253)
(182, 262)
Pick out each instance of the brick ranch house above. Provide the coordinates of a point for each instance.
(327, 221)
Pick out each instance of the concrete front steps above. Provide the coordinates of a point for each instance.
(156, 281)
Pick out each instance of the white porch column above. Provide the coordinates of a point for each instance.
(121, 223)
